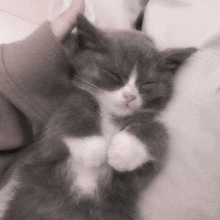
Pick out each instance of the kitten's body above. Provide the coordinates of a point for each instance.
(103, 144)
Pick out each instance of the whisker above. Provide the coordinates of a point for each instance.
(80, 84)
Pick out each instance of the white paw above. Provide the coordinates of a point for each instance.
(89, 151)
(126, 152)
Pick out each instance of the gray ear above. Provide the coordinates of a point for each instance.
(88, 36)
(172, 59)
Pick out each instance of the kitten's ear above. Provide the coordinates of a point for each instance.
(172, 59)
(88, 36)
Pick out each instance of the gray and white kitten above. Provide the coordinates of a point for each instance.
(103, 145)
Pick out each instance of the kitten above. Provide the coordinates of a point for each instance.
(103, 145)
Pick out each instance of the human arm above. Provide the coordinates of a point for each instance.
(34, 80)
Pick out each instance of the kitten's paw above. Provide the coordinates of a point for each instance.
(126, 152)
(89, 151)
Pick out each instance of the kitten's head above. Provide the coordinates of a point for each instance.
(123, 69)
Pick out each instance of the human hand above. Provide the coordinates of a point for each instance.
(66, 21)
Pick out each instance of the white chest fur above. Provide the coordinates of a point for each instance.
(88, 159)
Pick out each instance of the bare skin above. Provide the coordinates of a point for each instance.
(66, 21)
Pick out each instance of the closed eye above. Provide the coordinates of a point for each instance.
(112, 74)
(150, 83)
(148, 86)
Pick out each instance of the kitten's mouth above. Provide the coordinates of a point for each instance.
(131, 106)
(128, 107)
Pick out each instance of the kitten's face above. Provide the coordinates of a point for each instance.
(123, 100)
(117, 77)
(118, 96)
(123, 70)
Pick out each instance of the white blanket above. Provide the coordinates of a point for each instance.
(181, 23)
(189, 186)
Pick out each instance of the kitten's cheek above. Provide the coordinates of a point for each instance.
(127, 153)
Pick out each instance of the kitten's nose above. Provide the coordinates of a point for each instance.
(129, 96)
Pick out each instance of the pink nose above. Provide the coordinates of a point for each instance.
(129, 96)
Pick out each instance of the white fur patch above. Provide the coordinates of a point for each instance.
(89, 151)
(89, 156)
(126, 152)
(86, 181)
(6, 195)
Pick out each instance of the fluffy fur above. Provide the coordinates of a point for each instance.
(103, 145)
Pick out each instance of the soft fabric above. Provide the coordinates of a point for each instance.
(181, 23)
(188, 186)
(34, 79)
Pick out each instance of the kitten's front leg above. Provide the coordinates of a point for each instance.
(127, 152)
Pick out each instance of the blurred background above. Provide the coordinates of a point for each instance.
(170, 23)
(18, 18)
